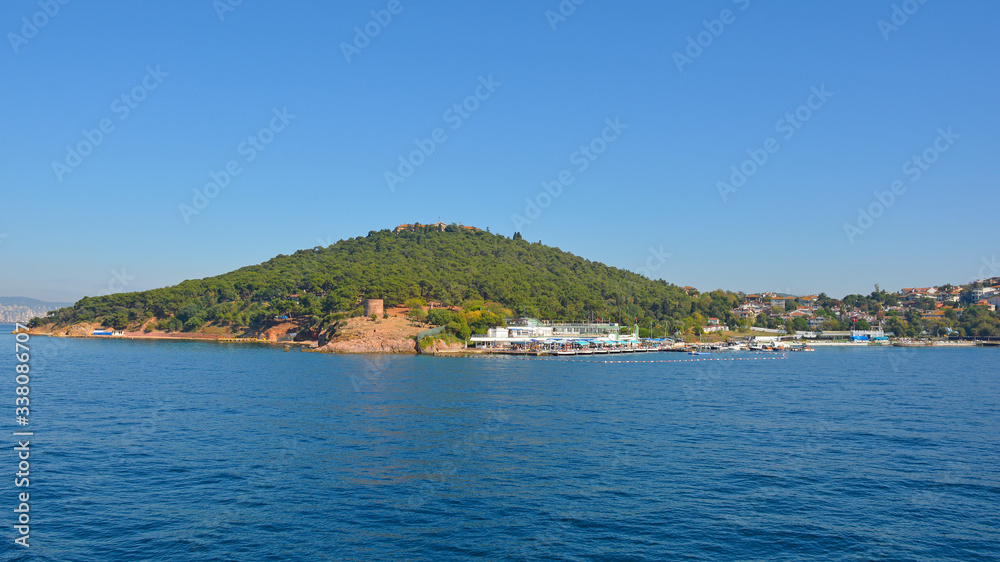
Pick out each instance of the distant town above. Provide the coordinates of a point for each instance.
(21, 309)
(770, 321)
(912, 311)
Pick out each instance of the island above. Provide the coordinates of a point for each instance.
(434, 288)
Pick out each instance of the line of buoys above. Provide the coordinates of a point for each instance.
(783, 356)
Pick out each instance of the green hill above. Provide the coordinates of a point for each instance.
(459, 267)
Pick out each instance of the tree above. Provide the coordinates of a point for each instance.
(926, 303)
(831, 326)
(189, 310)
(415, 302)
(118, 321)
(194, 324)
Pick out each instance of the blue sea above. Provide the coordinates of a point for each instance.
(147, 450)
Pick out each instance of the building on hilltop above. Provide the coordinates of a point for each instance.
(981, 293)
(436, 226)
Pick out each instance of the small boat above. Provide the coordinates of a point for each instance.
(693, 352)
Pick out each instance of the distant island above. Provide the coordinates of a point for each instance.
(22, 309)
(465, 280)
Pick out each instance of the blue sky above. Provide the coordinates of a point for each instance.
(331, 113)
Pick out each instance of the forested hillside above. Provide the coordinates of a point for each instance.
(454, 267)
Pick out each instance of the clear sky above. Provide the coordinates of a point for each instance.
(619, 99)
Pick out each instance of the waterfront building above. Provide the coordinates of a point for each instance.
(524, 330)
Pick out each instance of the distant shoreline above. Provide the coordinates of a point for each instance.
(188, 337)
(312, 345)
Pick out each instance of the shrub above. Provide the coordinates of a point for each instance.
(441, 317)
(194, 324)
(415, 302)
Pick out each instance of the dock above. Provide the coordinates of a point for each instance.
(583, 351)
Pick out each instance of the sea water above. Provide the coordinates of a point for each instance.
(201, 451)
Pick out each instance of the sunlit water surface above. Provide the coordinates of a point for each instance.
(200, 451)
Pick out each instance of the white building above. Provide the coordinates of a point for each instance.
(521, 330)
(982, 293)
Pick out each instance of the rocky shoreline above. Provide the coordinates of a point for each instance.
(393, 336)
